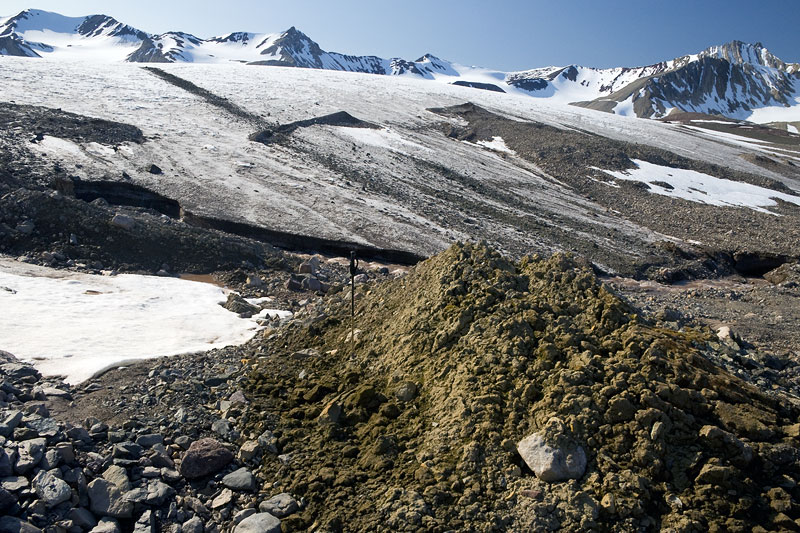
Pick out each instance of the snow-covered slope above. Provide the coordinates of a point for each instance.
(33, 33)
(404, 184)
(738, 80)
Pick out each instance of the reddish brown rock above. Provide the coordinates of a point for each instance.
(205, 457)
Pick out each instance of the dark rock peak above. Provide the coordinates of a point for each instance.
(401, 66)
(570, 73)
(148, 52)
(528, 84)
(14, 46)
(96, 24)
(428, 57)
(235, 37)
(181, 37)
(297, 49)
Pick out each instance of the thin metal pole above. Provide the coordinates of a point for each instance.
(353, 270)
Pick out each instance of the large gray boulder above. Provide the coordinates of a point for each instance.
(106, 500)
(193, 525)
(204, 457)
(153, 493)
(552, 463)
(240, 480)
(30, 453)
(118, 476)
(146, 523)
(259, 523)
(279, 505)
(50, 489)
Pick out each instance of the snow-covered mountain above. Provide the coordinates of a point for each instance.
(736, 79)
(732, 80)
(34, 33)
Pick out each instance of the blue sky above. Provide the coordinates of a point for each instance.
(506, 35)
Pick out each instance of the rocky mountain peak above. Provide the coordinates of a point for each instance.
(96, 25)
(235, 37)
(739, 53)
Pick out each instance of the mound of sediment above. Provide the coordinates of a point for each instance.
(413, 422)
(281, 132)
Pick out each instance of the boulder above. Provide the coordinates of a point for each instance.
(106, 500)
(552, 463)
(51, 490)
(249, 450)
(154, 492)
(30, 453)
(240, 480)
(123, 221)
(193, 525)
(16, 371)
(259, 523)
(406, 392)
(118, 476)
(146, 523)
(331, 413)
(221, 427)
(280, 505)
(9, 422)
(127, 450)
(148, 440)
(204, 457)
(237, 304)
(83, 518)
(14, 483)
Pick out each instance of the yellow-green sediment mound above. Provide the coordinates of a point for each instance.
(414, 424)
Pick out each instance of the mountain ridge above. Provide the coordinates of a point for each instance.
(732, 79)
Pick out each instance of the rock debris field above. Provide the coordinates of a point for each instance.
(474, 393)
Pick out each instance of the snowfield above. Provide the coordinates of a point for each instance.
(702, 188)
(213, 169)
(75, 325)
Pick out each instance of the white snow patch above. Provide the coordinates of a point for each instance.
(102, 150)
(625, 107)
(791, 129)
(274, 313)
(75, 325)
(59, 146)
(383, 138)
(776, 113)
(702, 188)
(498, 145)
